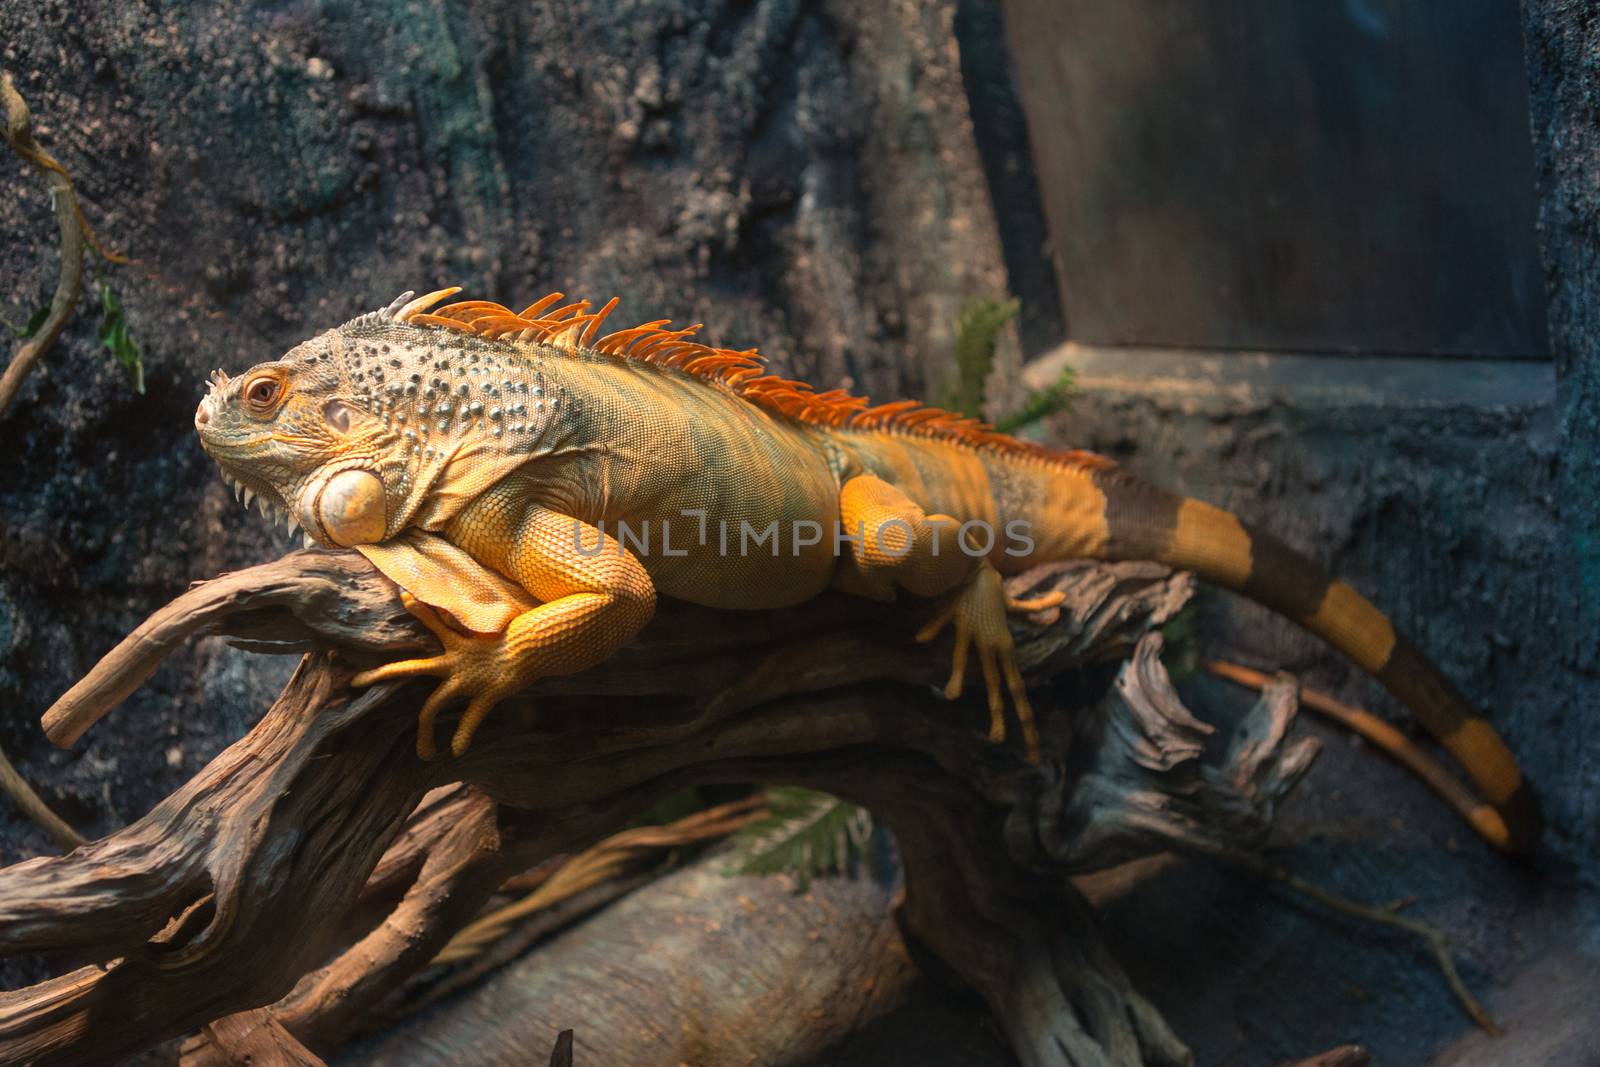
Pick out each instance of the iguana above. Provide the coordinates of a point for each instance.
(501, 466)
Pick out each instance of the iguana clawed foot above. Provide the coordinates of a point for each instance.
(978, 611)
(478, 667)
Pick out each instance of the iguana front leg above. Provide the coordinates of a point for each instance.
(596, 595)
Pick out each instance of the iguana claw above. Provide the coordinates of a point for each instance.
(978, 611)
(475, 666)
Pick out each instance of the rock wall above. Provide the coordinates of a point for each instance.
(1562, 42)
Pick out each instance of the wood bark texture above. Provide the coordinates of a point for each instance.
(317, 864)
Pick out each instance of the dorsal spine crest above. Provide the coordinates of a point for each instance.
(573, 327)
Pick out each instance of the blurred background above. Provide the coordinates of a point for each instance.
(1332, 265)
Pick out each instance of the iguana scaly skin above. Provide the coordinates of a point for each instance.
(487, 461)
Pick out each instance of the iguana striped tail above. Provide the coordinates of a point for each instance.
(1144, 522)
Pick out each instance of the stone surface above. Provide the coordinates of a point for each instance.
(1563, 53)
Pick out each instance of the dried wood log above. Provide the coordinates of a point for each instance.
(717, 970)
(320, 836)
(255, 1038)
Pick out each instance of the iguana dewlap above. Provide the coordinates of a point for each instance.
(488, 462)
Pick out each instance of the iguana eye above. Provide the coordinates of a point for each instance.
(261, 394)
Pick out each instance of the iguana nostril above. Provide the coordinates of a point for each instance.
(201, 416)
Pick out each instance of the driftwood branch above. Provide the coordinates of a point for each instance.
(254, 1037)
(320, 836)
(18, 130)
(16, 126)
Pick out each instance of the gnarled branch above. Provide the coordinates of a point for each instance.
(315, 837)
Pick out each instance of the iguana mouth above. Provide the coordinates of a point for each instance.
(274, 513)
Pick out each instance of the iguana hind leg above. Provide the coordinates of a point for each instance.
(897, 544)
(596, 596)
(978, 610)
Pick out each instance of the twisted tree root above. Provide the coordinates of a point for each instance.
(320, 837)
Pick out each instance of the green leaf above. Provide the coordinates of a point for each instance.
(32, 326)
(1044, 403)
(805, 834)
(114, 335)
(977, 331)
(1180, 652)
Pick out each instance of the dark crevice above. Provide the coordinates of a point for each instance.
(1001, 132)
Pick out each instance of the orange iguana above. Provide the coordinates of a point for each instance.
(509, 471)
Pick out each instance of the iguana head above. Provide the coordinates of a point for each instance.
(296, 435)
(375, 426)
